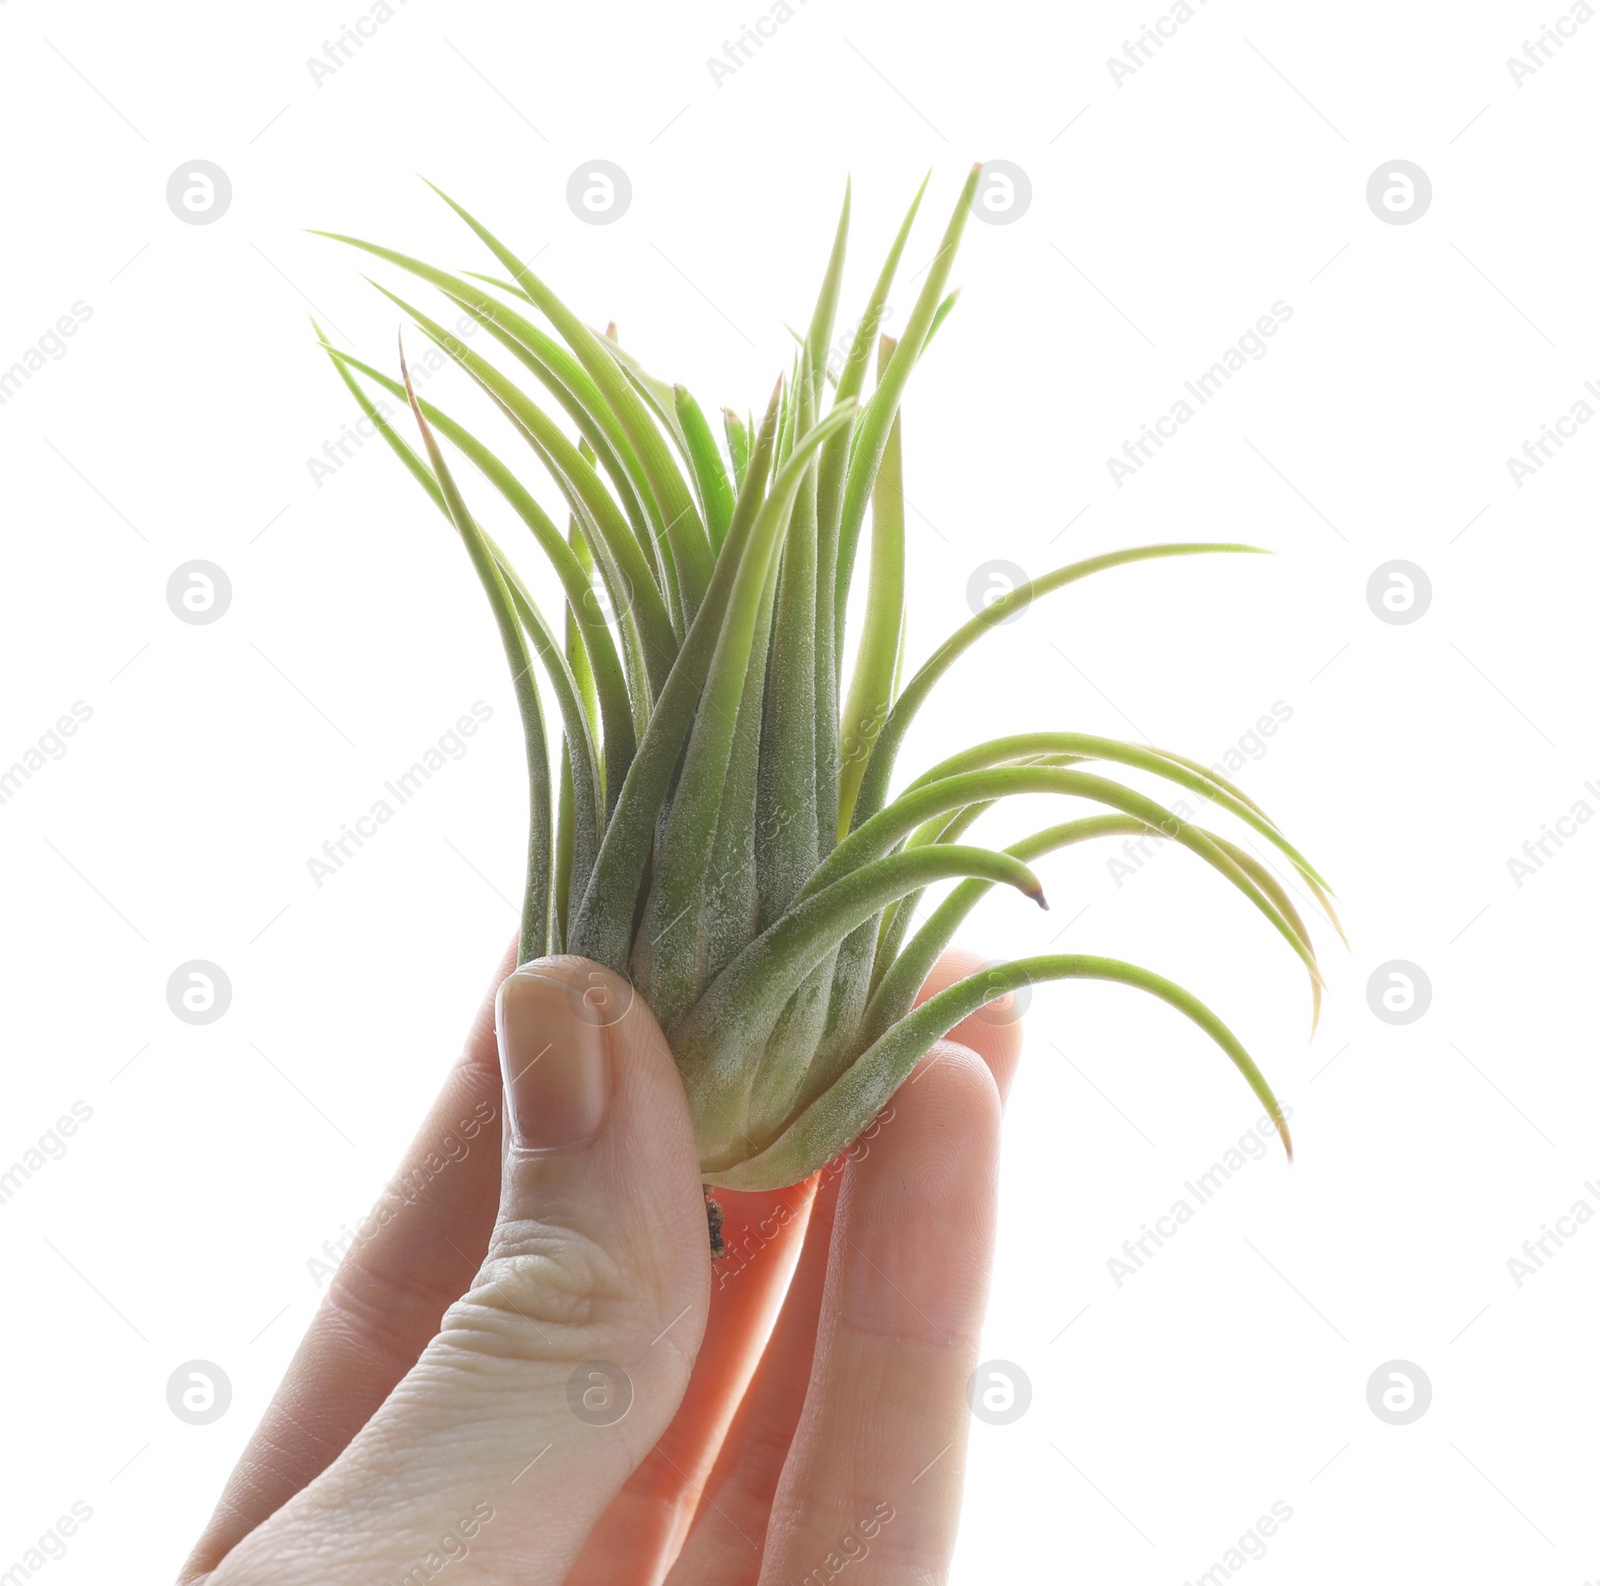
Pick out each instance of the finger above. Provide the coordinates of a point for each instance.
(729, 1531)
(644, 1529)
(553, 1376)
(735, 1469)
(876, 1461)
(994, 1032)
(738, 1494)
(410, 1259)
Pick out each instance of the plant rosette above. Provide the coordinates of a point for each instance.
(718, 822)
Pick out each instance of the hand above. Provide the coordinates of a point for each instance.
(528, 1369)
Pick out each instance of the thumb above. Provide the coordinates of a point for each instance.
(553, 1376)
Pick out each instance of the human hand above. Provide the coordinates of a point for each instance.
(531, 1371)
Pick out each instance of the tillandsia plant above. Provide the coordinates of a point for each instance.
(719, 825)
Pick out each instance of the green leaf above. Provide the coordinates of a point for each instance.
(565, 850)
(603, 924)
(941, 314)
(671, 961)
(819, 334)
(907, 812)
(588, 799)
(875, 782)
(588, 786)
(577, 645)
(714, 1040)
(872, 681)
(597, 650)
(738, 445)
(943, 828)
(728, 913)
(894, 994)
(628, 578)
(711, 478)
(872, 434)
(787, 813)
(828, 1124)
(691, 548)
(892, 998)
(1158, 762)
(831, 469)
(558, 371)
(534, 941)
(657, 393)
(830, 488)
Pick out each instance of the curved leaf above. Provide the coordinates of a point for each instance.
(534, 941)
(825, 1127)
(875, 783)
(714, 1040)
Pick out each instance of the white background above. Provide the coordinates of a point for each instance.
(1167, 214)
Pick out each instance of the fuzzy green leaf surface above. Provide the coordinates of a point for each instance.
(723, 817)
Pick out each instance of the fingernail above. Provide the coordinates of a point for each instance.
(556, 1068)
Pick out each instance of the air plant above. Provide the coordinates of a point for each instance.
(719, 825)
